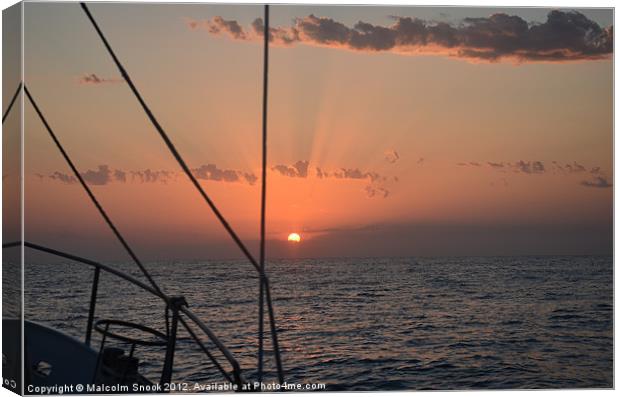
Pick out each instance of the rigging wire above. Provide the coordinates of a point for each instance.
(261, 305)
(8, 109)
(197, 185)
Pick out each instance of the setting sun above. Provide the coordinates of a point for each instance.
(294, 237)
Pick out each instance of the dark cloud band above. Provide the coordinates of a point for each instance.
(564, 36)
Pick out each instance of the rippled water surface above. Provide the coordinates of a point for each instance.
(372, 324)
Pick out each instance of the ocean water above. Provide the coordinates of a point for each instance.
(371, 323)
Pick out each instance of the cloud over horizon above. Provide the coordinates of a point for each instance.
(521, 166)
(597, 182)
(564, 36)
(391, 156)
(104, 175)
(376, 183)
(93, 79)
(597, 179)
(297, 170)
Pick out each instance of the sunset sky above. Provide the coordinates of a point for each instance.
(392, 131)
